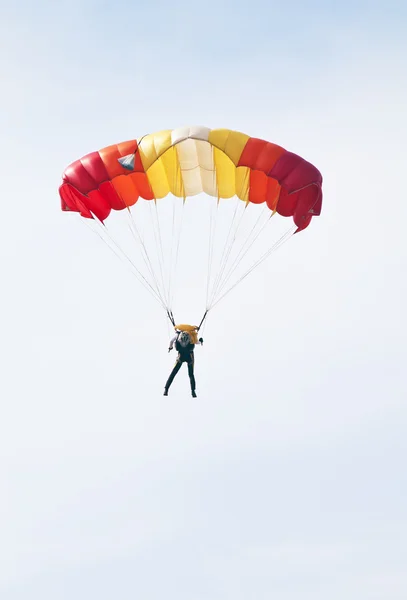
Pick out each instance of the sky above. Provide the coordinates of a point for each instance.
(286, 476)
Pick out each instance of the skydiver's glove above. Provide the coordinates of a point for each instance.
(169, 349)
(200, 341)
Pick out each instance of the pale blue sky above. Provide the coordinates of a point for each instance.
(286, 477)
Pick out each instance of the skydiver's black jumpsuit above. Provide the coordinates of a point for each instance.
(184, 355)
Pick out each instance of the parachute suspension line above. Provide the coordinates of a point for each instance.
(228, 246)
(229, 250)
(175, 244)
(178, 193)
(209, 257)
(121, 255)
(202, 320)
(226, 241)
(212, 233)
(178, 241)
(172, 249)
(133, 267)
(224, 251)
(176, 176)
(153, 225)
(204, 326)
(137, 236)
(161, 249)
(246, 246)
(282, 240)
(171, 317)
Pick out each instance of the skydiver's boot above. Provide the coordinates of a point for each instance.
(191, 376)
(165, 392)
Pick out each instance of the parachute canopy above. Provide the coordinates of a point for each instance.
(261, 178)
(188, 161)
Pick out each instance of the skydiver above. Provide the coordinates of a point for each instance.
(185, 348)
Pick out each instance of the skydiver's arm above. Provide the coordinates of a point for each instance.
(200, 341)
(172, 342)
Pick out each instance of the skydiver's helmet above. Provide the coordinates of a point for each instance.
(184, 339)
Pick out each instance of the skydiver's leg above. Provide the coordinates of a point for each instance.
(191, 374)
(175, 370)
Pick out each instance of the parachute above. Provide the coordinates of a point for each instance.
(135, 178)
